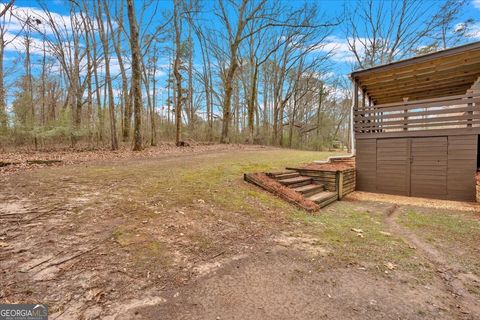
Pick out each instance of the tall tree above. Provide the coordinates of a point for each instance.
(104, 32)
(244, 13)
(176, 71)
(5, 19)
(136, 77)
(116, 41)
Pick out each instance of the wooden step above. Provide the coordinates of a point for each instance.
(328, 201)
(279, 173)
(287, 175)
(296, 182)
(323, 198)
(310, 189)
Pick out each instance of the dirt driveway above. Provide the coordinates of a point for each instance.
(183, 237)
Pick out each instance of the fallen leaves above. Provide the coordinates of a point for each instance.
(24, 160)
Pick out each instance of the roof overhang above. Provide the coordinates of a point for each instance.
(439, 74)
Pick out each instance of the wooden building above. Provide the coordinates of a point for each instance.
(417, 125)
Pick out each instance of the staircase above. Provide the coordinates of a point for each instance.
(306, 186)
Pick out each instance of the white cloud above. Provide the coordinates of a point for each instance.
(475, 31)
(339, 48)
(17, 43)
(15, 21)
(476, 3)
(471, 30)
(17, 16)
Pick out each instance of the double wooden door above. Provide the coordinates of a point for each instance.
(412, 166)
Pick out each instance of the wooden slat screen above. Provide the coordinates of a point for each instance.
(455, 112)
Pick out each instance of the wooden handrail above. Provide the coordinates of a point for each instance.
(378, 116)
(424, 101)
(459, 111)
(446, 103)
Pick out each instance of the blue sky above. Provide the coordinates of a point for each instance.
(332, 9)
(341, 62)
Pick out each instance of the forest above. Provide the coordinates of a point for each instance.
(112, 73)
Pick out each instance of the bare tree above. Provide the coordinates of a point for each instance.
(5, 19)
(255, 75)
(450, 32)
(392, 30)
(7, 7)
(244, 13)
(136, 77)
(116, 41)
(104, 36)
(176, 71)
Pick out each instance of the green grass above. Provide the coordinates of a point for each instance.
(334, 229)
(217, 181)
(205, 187)
(456, 234)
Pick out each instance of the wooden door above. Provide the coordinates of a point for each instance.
(393, 161)
(428, 169)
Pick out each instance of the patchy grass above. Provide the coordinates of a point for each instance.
(143, 251)
(456, 234)
(142, 190)
(188, 195)
(371, 248)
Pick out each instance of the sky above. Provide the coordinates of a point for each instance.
(340, 64)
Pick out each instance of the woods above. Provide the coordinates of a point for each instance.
(123, 72)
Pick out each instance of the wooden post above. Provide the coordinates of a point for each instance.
(405, 118)
(364, 105)
(409, 167)
(470, 113)
(355, 99)
(339, 184)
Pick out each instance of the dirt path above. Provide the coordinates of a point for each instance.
(450, 272)
(294, 279)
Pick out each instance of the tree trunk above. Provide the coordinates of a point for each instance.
(224, 138)
(153, 137)
(108, 80)
(191, 110)
(136, 77)
(251, 104)
(176, 73)
(127, 114)
(3, 111)
(97, 91)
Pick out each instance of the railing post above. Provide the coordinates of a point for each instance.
(405, 118)
(470, 113)
(355, 103)
(364, 105)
